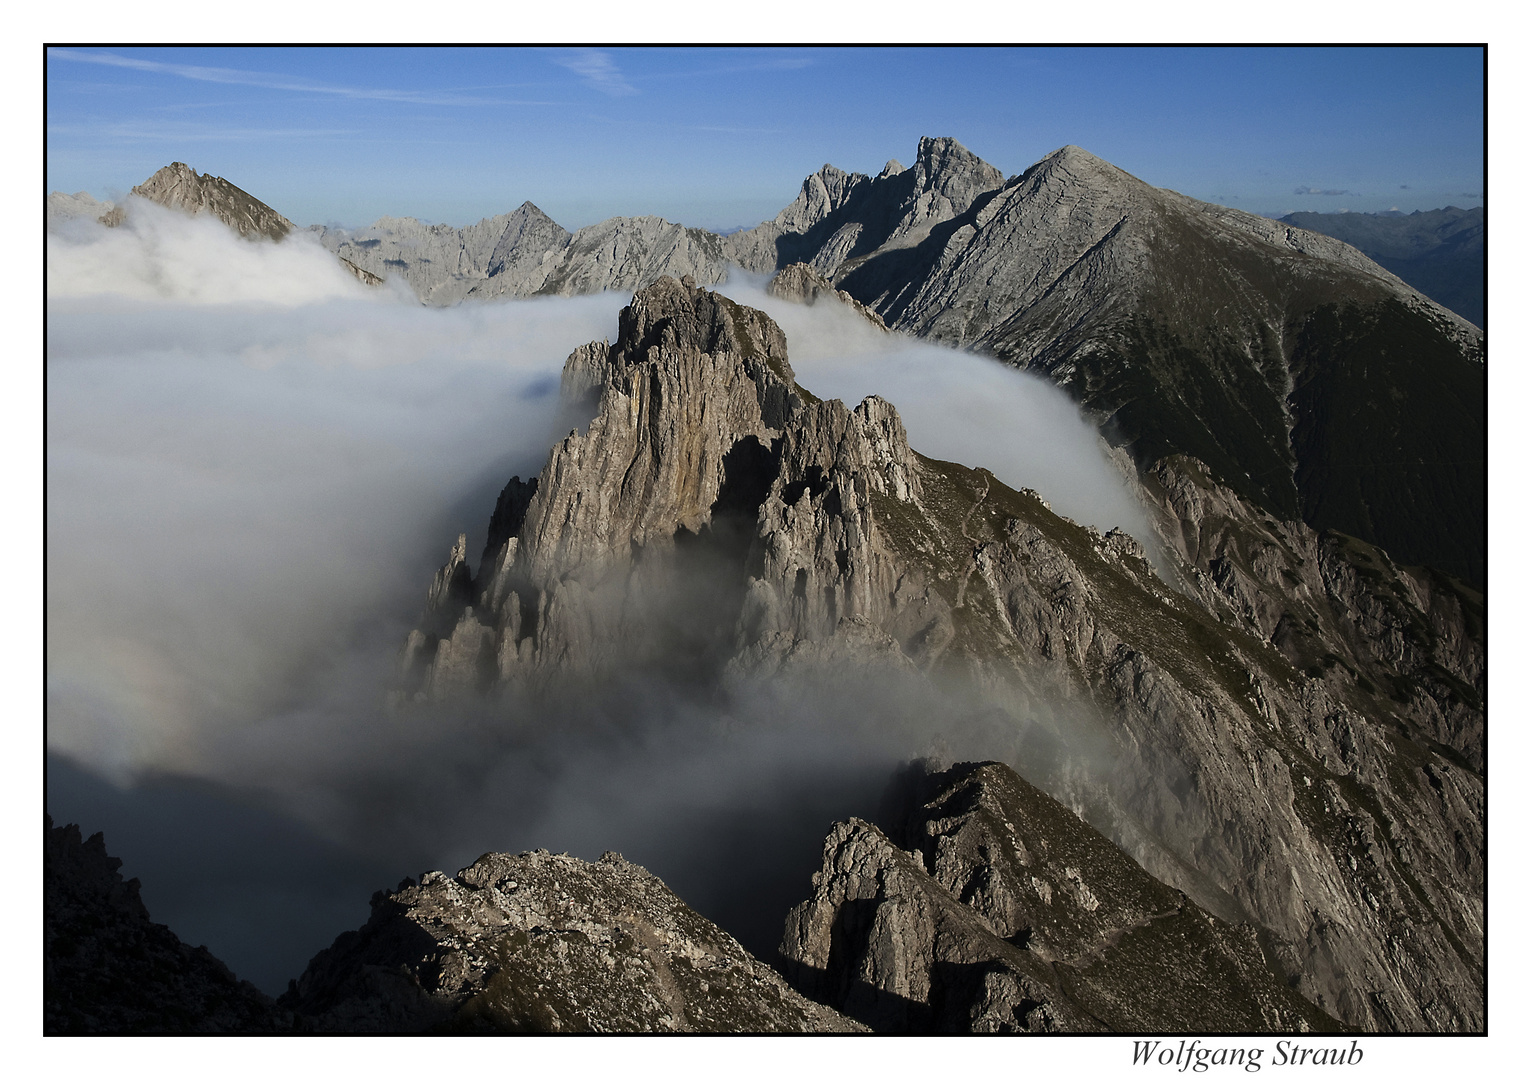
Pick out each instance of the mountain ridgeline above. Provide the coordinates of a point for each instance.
(1293, 739)
(1248, 774)
(1304, 375)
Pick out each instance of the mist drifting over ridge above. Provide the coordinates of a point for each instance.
(959, 406)
(255, 463)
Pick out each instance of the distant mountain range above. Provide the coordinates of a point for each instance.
(1439, 252)
(1182, 327)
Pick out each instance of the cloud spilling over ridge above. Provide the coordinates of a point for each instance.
(960, 407)
(163, 254)
(248, 479)
(255, 465)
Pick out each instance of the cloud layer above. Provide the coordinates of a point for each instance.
(255, 464)
(252, 461)
(959, 407)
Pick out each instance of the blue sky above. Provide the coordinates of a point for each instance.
(723, 137)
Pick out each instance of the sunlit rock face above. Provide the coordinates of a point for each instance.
(538, 942)
(715, 523)
(705, 470)
(180, 187)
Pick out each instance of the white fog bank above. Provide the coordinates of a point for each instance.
(255, 464)
(957, 406)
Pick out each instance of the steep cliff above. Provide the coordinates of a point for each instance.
(715, 521)
(988, 906)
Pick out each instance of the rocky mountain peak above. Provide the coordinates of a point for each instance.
(707, 481)
(945, 166)
(677, 315)
(1077, 177)
(179, 187)
(823, 193)
(1077, 158)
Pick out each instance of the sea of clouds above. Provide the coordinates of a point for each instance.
(254, 465)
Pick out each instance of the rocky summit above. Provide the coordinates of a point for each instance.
(1291, 734)
(180, 187)
(538, 942)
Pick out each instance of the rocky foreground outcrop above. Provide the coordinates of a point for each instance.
(1288, 735)
(988, 906)
(538, 942)
(107, 968)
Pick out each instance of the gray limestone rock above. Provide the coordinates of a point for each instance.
(525, 253)
(443, 264)
(59, 207)
(1344, 822)
(799, 284)
(509, 255)
(988, 906)
(545, 943)
(179, 187)
(838, 220)
(891, 947)
(625, 254)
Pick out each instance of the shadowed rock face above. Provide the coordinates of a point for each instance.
(541, 942)
(108, 969)
(799, 284)
(1188, 328)
(1439, 252)
(1290, 735)
(994, 908)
